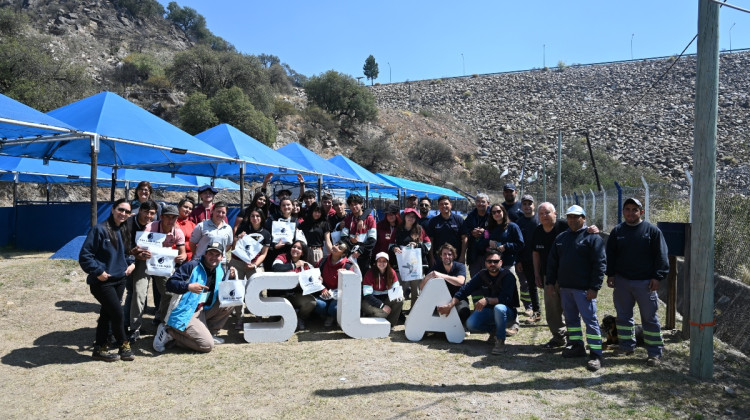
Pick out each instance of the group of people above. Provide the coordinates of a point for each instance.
(497, 248)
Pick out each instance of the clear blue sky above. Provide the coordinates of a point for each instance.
(431, 39)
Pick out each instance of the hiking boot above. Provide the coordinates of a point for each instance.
(594, 363)
(161, 338)
(574, 350)
(553, 344)
(510, 332)
(499, 347)
(300, 324)
(101, 353)
(218, 340)
(653, 361)
(125, 352)
(491, 338)
(619, 352)
(328, 323)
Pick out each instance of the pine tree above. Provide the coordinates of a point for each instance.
(371, 69)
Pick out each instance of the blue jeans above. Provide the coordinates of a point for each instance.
(576, 306)
(626, 294)
(326, 308)
(489, 318)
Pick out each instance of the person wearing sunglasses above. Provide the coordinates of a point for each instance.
(497, 306)
(103, 257)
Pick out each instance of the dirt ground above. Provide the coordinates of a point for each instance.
(48, 317)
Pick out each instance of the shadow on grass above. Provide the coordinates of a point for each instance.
(77, 306)
(52, 349)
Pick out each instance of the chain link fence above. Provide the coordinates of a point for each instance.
(671, 203)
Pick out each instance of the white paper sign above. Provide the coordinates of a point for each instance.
(310, 281)
(161, 262)
(410, 264)
(248, 248)
(149, 239)
(231, 293)
(282, 231)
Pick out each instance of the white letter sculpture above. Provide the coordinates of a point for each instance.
(270, 332)
(349, 305)
(422, 319)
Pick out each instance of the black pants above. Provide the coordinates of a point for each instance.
(528, 271)
(109, 295)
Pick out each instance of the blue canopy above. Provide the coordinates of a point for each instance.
(259, 159)
(19, 121)
(35, 170)
(408, 186)
(333, 176)
(383, 187)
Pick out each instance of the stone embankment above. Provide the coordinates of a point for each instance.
(635, 123)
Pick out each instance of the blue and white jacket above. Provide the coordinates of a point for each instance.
(191, 272)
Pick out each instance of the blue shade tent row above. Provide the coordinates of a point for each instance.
(408, 186)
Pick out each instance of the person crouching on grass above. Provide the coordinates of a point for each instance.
(498, 304)
(378, 280)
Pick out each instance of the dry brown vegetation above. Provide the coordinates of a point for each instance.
(48, 317)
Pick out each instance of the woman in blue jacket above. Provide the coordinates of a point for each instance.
(103, 258)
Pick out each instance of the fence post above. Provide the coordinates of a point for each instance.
(690, 183)
(647, 199)
(559, 168)
(593, 206)
(619, 202)
(584, 200)
(575, 196)
(604, 211)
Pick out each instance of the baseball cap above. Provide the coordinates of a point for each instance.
(575, 211)
(633, 200)
(527, 197)
(207, 187)
(170, 210)
(509, 187)
(392, 208)
(382, 255)
(216, 246)
(411, 210)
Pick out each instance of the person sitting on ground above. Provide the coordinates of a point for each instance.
(454, 274)
(294, 261)
(498, 304)
(326, 301)
(103, 259)
(375, 286)
(197, 318)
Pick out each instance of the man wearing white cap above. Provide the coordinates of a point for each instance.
(577, 262)
(636, 263)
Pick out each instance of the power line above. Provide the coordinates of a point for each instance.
(731, 6)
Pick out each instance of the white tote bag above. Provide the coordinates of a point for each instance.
(231, 293)
(396, 293)
(410, 264)
(310, 281)
(149, 239)
(247, 248)
(283, 231)
(161, 262)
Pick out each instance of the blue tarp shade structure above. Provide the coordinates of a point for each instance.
(408, 186)
(378, 186)
(333, 176)
(258, 158)
(19, 121)
(34, 170)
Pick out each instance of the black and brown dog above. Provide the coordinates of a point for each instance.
(609, 332)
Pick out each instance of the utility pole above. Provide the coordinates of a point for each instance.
(593, 162)
(631, 46)
(701, 318)
(559, 172)
(463, 63)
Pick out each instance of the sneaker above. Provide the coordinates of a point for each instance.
(161, 338)
(574, 350)
(125, 352)
(218, 340)
(101, 353)
(529, 312)
(510, 332)
(653, 360)
(534, 318)
(491, 338)
(499, 347)
(553, 344)
(328, 322)
(594, 363)
(619, 352)
(134, 336)
(300, 324)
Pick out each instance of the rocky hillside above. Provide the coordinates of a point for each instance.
(638, 125)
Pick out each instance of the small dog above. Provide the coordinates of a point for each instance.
(609, 330)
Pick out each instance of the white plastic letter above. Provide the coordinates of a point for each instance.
(269, 332)
(349, 305)
(422, 316)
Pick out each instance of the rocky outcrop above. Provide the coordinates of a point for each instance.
(634, 122)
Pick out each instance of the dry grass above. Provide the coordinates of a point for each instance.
(48, 318)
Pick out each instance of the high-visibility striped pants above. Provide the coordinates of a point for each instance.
(577, 307)
(626, 294)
